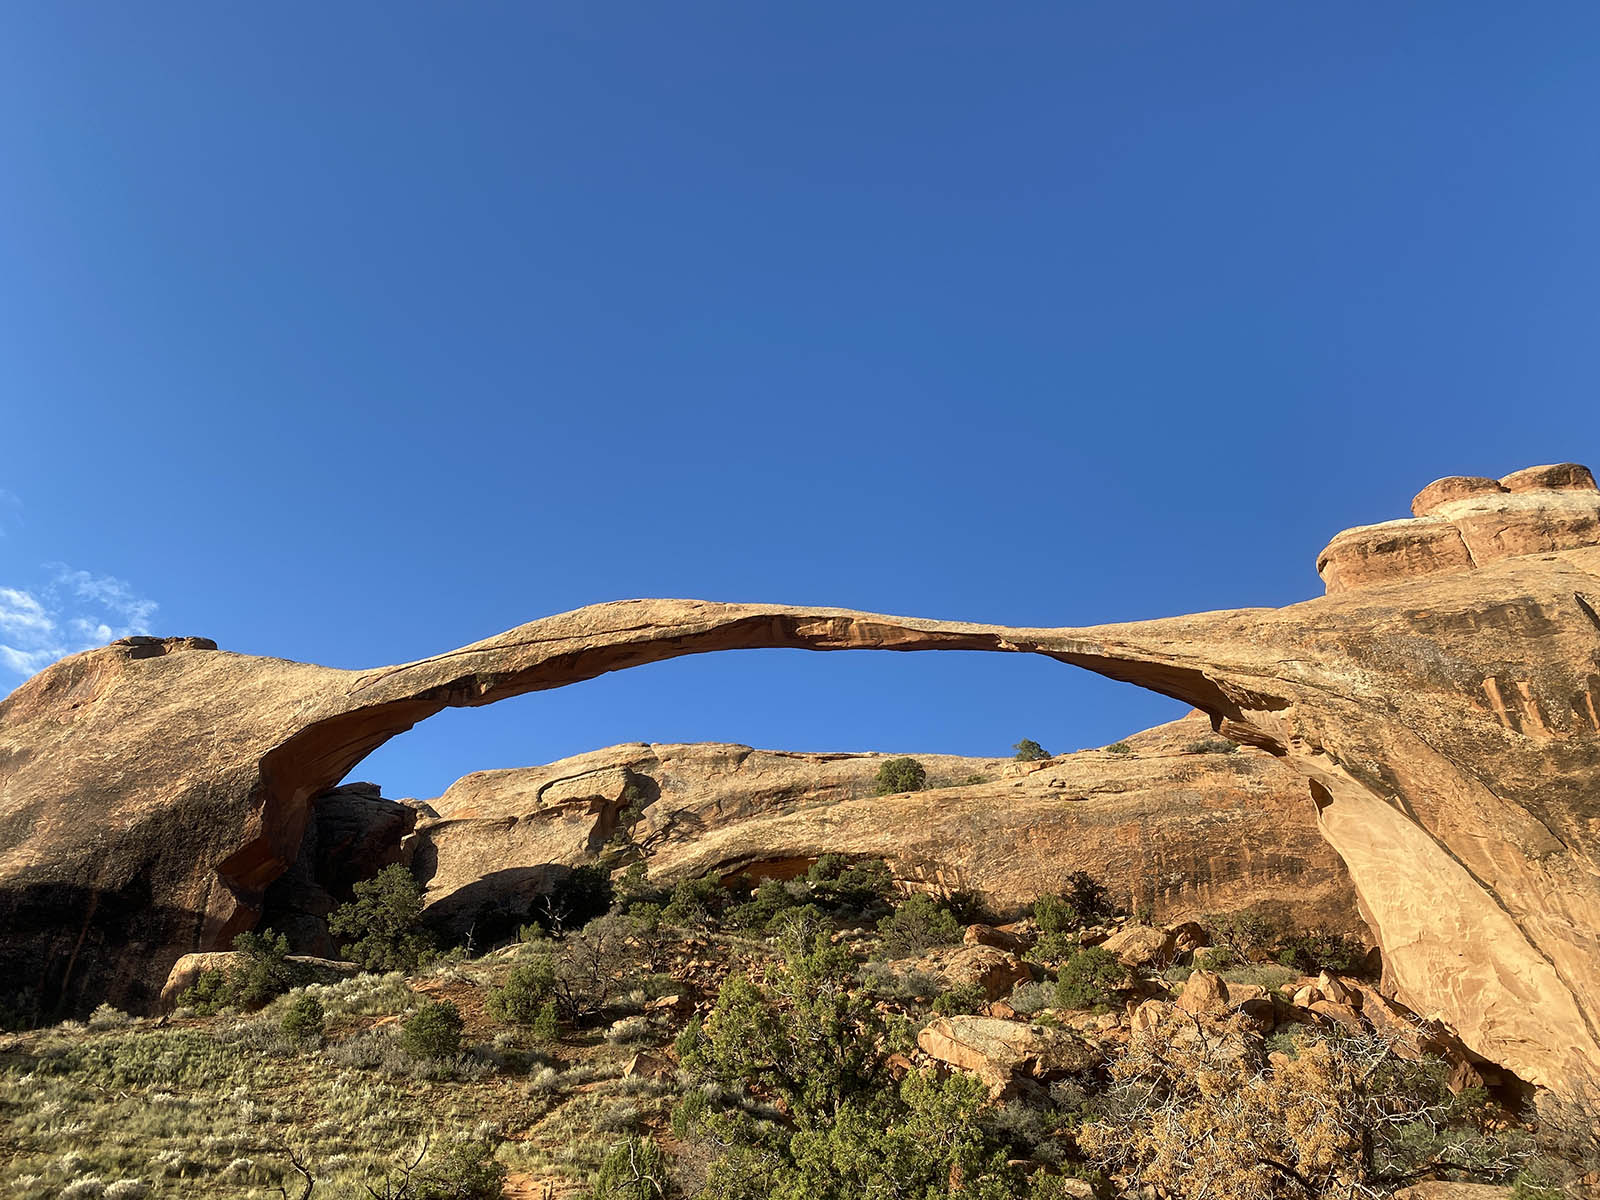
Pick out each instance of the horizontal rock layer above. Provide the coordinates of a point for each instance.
(1463, 522)
(1166, 828)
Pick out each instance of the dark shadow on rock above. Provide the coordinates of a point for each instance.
(67, 948)
(492, 908)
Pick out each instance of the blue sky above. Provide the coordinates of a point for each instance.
(354, 332)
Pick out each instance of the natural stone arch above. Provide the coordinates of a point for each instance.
(1447, 718)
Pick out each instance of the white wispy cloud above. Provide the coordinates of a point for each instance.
(73, 610)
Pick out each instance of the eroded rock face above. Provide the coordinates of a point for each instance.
(1167, 828)
(1447, 723)
(999, 1051)
(1464, 522)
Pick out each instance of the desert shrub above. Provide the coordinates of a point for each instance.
(1059, 917)
(305, 1020)
(883, 979)
(1248, 933)
(1270, 976)
(266, 972)
(768, 900)
(1028, 750)
(634, 801)
(574, 979)
(1567, 1147)
(1216, 958)
(595, 966)
(381, 928)
(635, 1169)
(808, 1036)
(433, 1031)
(1089, 978)
(924, 1139)
(900, 775)
(850, 885)
(1120, 748)
(966, 998)
(524, 994)
(1089, 899)
(696, 903)
(108, 1016)
(1321, 950)
(575, 899)
(466, 1170)
(1213, 745)
(1030, 997)
(965, 906)
(367, 995)
(1058, 925)
(262, 974)
(633, 887)
(797, 928)
(918, 925)
(1194, 1109)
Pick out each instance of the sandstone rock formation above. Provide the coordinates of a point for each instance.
(352, 835)
(188, 969)
(1166, 828)
(998, 1051)
(1445, 713)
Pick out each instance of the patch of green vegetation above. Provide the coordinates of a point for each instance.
(263, 973)
(1090, 978)
(305, 1020)
(1028, 750)
(381, 928)
(433, 1031)
(900, 775)
(917, 926)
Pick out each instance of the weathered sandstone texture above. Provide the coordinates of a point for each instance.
(1447, 723)
(1167, 828)
(1464, 522)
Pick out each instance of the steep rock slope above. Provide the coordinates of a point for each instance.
(1446, 715)
(1165, 827)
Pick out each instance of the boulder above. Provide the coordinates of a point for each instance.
(1339, 1014)
(1259, 1013)
(190, 967)
(988, 935)
(1244, 993)
(997, 1051)
(645, 1065)
(1338, 991)
(1439, 1189)
(993, 972)
(1141, 946)
(1188, 936)
(1203, 992)
(1144, 1015)
(1308, 995)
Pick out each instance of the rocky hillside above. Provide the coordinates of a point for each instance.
(1180, 824)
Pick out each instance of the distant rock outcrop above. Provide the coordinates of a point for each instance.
(1172, 826)
(1445, 714)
